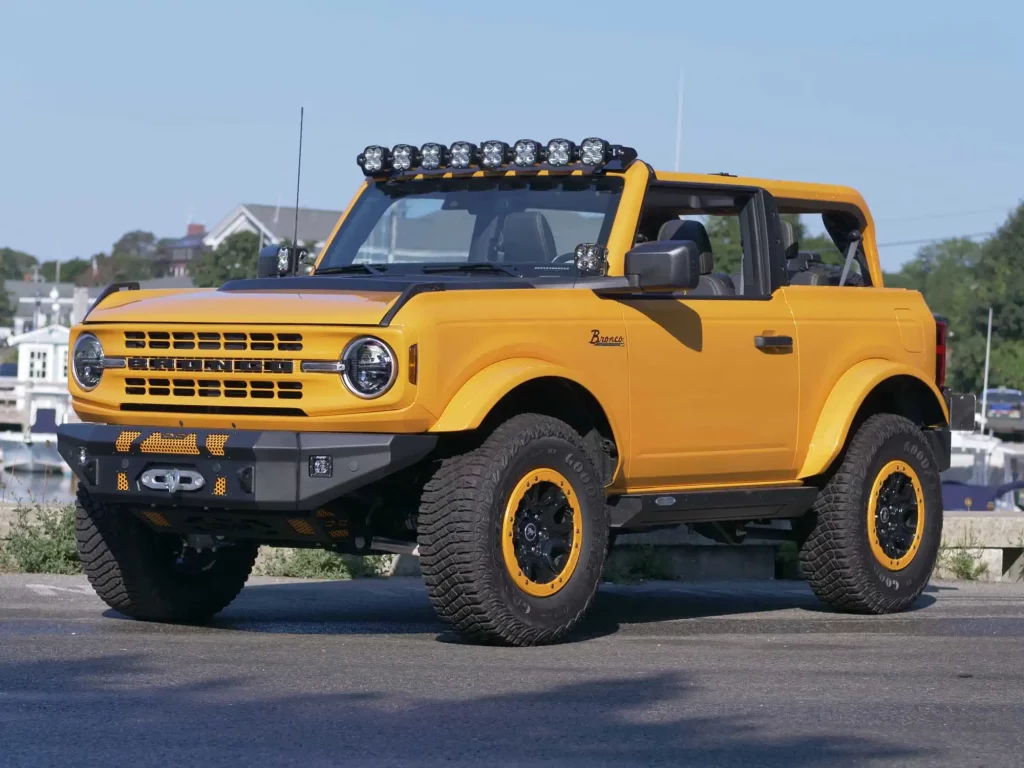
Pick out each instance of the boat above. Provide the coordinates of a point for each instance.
(985, 473)
(34, 450)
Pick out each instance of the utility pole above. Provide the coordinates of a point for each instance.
(679, 120)
(984, 391)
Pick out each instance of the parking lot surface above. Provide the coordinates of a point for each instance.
(361, 673)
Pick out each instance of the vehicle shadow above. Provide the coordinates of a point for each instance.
(400, 607)
(166, 706)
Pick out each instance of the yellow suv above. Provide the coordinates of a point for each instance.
(504, 356)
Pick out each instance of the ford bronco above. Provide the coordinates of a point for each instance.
(504, 356)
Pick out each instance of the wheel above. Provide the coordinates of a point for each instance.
(154, 576)
(877, 523)
(513, 534)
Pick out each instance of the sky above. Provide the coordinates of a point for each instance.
(117, 116)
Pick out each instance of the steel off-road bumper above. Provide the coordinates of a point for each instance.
(231, 469)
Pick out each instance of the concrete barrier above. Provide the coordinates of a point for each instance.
(993, 540)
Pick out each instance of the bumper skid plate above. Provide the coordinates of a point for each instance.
(231, 469)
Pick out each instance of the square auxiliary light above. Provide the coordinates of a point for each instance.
(493, 154)
(404, 157)
(561, 152)
(374, 159)
(595, 152)
(433, 156)
(321, 466)
(463, 154)
(525, 153)
(591, 259)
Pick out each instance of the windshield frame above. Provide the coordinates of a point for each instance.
(352, 223)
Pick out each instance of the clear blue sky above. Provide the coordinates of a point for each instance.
(125, 115)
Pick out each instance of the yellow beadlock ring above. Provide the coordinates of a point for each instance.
(890, 469)
(508, 530)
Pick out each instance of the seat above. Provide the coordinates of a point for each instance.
(527, 239)
(710, 284)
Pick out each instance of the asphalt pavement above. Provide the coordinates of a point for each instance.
(361, 673)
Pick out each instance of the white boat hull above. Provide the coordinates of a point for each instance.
(35, 453)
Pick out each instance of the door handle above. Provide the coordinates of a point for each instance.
(774, 342)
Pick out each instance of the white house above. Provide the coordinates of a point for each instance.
(274, 223)
(42, 379)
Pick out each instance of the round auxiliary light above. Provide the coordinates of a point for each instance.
(525, 153)
(87, 361)
(433, 156)
(595, 151)
(463, 154)
(404, 156)
(493, 154)
(374, 159)
(591, 259)
(561, 152)
(370, 367)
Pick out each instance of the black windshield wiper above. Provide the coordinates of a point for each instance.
(366, 269)
(503, 269)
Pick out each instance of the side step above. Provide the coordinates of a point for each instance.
(644, 510)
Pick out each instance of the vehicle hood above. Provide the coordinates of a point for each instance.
(208, 306)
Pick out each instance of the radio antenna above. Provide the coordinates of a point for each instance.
(298, 180)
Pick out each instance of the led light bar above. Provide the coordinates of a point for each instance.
(526, 154)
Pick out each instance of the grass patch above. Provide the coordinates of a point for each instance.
(961, 560)
(321, 564)
(636, 564)
(41, 540)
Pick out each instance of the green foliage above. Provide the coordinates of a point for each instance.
(7, 308)
(41, 540)
(234, 258)
(321, 564)
(726, 243)
(70, 271)
(15, 265)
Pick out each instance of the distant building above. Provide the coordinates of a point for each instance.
(38, 305)
(183, 250)
(274, 224)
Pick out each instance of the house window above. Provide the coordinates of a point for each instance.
(37, 364)
(64, 355)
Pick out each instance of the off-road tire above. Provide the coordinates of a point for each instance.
(836, 558)
(460, 523)
(131, 567)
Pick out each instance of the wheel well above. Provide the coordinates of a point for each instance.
(566, 400)
(903, 396)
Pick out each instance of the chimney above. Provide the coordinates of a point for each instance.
(195, 229)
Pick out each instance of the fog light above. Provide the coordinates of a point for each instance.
(321, 466)
(403, 157)
(463, 153)
(525, 153)
(493, 154)
(83, 457)
(561, 152)
(591, 259)
(433, 156)
(595, 152)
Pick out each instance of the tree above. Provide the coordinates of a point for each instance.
(7, 308)
(70, 270)
(136, 243)
(15, 265)
(232, 259)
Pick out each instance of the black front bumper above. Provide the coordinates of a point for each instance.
(241, 469)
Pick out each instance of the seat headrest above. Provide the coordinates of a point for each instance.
(689, 229)
(527, 238)
(790, 246)
(803, 260)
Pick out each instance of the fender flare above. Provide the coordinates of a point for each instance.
(843, 403)
(475, 399)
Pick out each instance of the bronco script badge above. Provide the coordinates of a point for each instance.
(606, 341)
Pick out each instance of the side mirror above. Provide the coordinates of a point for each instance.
(664, 265)
(280, 260)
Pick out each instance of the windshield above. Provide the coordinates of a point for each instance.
(528, 225)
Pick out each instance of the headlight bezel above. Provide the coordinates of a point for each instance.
(99, 364)
(348, 360)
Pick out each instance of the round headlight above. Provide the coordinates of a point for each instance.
(87, 361)
(370, 367)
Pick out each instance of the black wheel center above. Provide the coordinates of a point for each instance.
(896, 515)
(543, 534)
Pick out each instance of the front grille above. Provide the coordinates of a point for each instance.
(152, 386)
(213, 340)
(209, 365)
